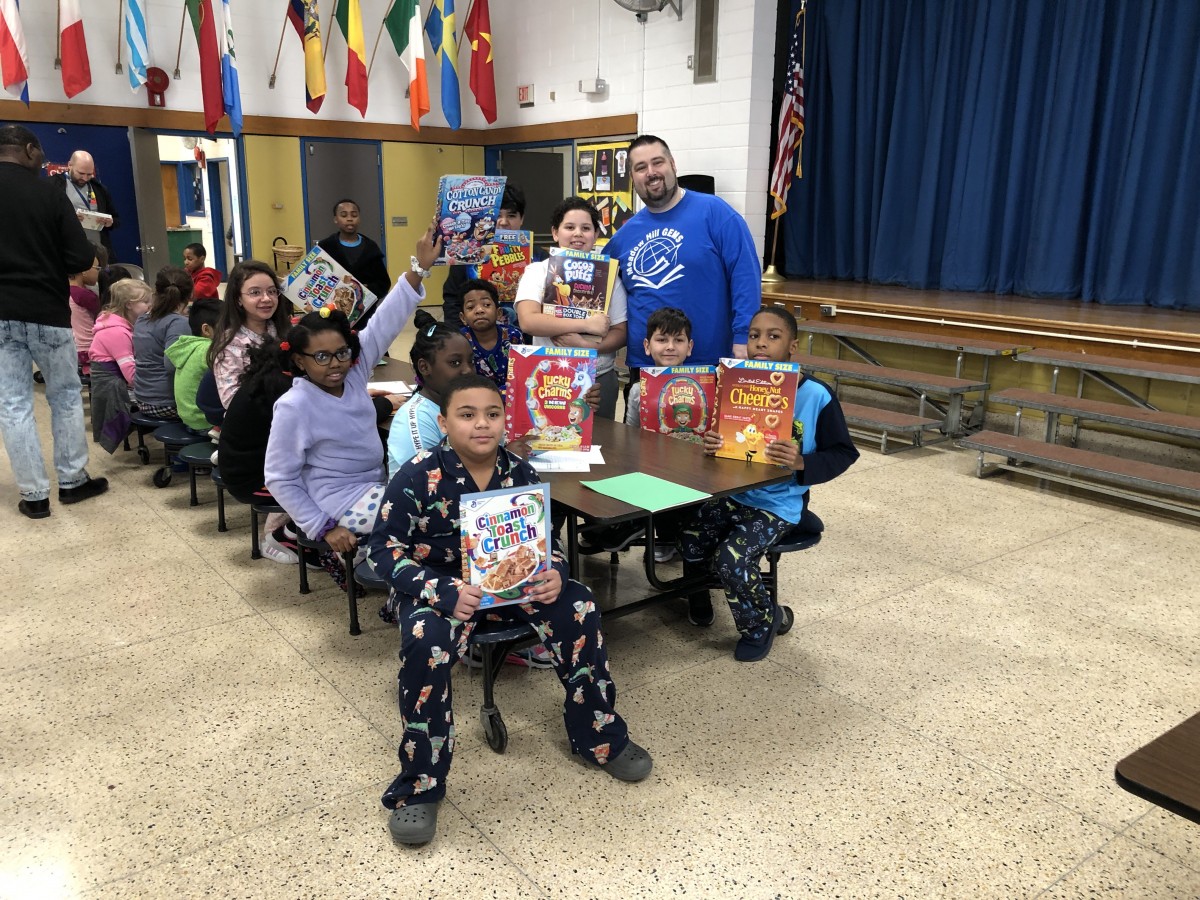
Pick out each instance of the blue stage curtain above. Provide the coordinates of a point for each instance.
(1049, 148)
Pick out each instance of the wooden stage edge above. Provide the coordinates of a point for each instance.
(1129, 332)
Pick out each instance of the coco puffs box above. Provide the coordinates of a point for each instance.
(544, 402)
(755, 405)
(678, 400)
(504, 541)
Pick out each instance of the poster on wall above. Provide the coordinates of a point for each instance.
(602, 176)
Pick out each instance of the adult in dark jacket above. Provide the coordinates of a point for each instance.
(80, 186)
(41, 242)
(357, 253)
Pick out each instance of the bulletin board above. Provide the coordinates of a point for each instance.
(602, 176)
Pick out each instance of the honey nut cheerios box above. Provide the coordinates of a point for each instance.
(756, 402)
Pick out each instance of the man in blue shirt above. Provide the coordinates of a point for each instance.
(688, 250)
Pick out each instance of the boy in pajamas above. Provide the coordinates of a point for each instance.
(416, 547)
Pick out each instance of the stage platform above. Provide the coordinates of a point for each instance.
(1132, 332)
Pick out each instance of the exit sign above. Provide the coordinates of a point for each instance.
(525, 95)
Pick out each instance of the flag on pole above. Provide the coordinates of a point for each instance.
(76, 70)
(14, 61)
(478, 28)
(205, 25)
(791, 121)
(444, 40)
(349, 18)
(231, 89)
(306, 19)
(403, 23)
(135, 40)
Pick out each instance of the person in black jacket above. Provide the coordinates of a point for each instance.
(357, 253)
(41, 242)
(84, 190)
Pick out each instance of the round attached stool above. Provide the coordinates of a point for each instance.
(220, 483)
(198, 458)
(144, 425)
(256, 510)
(307, 545)
(495, 641)
(803, 536)
(174, 438)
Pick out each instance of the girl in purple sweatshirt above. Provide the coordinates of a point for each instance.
(324, 464)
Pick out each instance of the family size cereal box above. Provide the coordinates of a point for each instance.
(504, 541)
(755, 400)
(544, 402)
(578, 284)
(318, 281)
(467, 207)
(678, 400)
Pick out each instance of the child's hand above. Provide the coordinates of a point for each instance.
(785, 453)
(341, 540)
(592, 397)
(469, 597)
(429, 248)
(597, 325)
(547, 589)
(713, 442)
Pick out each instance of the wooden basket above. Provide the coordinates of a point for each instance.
(286, 256)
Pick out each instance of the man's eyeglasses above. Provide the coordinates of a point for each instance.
(259, 293)
(324, 358)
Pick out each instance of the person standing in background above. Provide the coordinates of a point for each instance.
(357, 254)
(87, 194)
(41, 242)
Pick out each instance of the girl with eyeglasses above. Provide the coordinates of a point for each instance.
(254, 310)
(323, 462)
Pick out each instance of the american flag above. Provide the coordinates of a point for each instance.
(791, 121)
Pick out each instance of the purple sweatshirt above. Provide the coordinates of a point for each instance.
(324, 451)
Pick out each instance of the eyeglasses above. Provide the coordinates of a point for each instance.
(324, 358)
(259, 293)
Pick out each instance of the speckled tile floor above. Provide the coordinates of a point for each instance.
(970, 660)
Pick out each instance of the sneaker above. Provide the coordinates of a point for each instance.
(213, 459)
(93, 487)
(700, 609)
(610, 539)
(35, 509)
(214, 433)
(664, 553)
(752, 649)
(273, 551)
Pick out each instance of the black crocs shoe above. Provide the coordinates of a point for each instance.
(414, 825)
(631, 764)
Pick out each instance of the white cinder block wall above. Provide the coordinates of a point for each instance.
(721, 128)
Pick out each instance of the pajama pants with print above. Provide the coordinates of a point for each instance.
(735, 537)
(431, 643)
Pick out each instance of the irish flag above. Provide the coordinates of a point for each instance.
(72, 49)
(349, 19)
(205, 25)
(404, 27)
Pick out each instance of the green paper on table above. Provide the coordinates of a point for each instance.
(646, 491)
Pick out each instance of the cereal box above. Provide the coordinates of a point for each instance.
(318, 281)
(678, 400)
(755, 405)
(504, 541)
(467, 207)
(508, 255)
(544, 402)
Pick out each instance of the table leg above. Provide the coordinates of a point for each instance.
(573, 544)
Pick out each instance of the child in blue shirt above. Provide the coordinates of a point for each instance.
(489, 340)
(416, 547)
(733, 533)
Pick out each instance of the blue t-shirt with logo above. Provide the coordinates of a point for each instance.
(697, 256)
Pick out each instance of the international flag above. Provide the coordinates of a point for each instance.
(306, 19)
(478, 29)
(349, 18)
(231, 89)
(444, 40)
(14, 61)
(403, 23)
(791, 122)
(135, 42)
(72, 49)
(205, 25)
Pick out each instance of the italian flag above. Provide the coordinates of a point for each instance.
(205, 25)
(404, 26)
(72, 49)
(349, 19)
